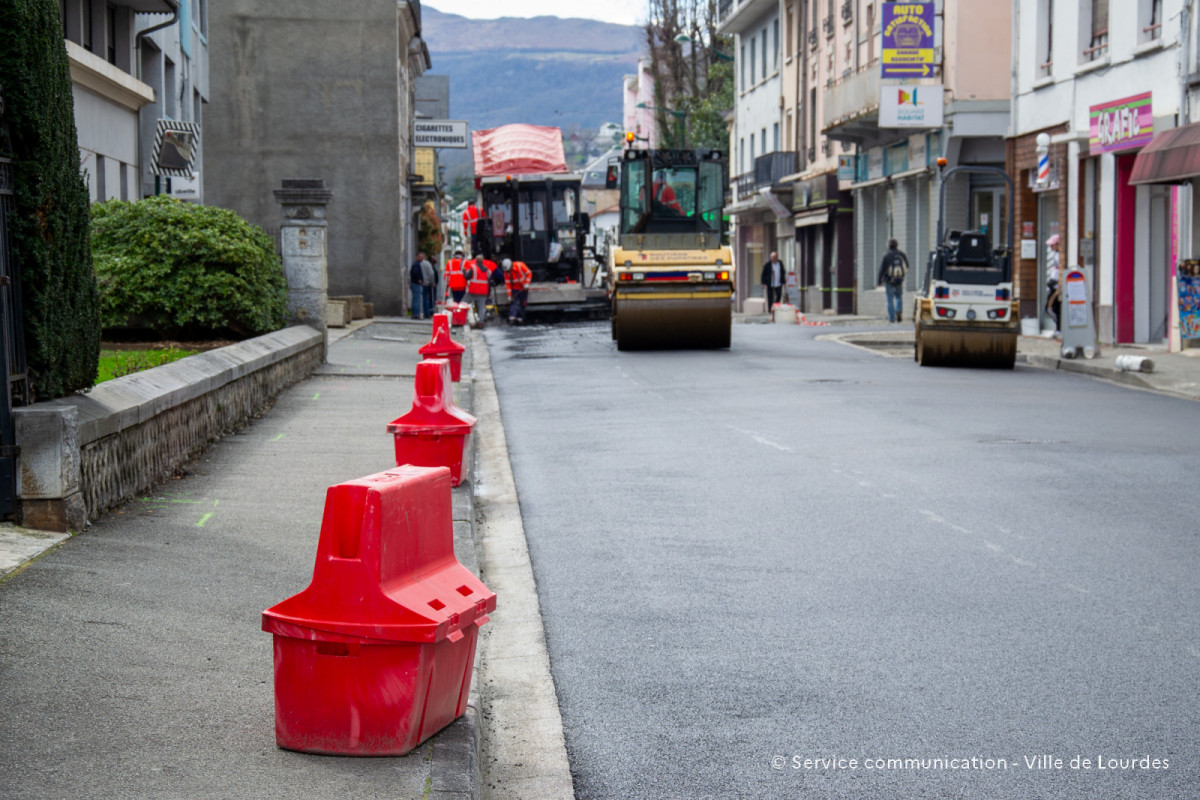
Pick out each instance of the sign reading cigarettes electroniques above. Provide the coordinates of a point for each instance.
(907, 40)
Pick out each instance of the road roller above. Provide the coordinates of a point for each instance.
(966, 315)
(669, 279)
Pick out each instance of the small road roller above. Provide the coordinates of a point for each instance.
(670, 281)
(966, 315)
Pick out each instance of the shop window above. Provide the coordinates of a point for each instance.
(788, 20)
(764, 53)
(1149, 20)
(1093, 21)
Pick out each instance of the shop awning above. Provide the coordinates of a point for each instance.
(1171, 157)
(812, 218)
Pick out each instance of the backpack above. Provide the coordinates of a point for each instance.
(898, 269)
(415, 274)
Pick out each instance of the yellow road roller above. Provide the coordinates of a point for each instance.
(670, 282)
(966, 316)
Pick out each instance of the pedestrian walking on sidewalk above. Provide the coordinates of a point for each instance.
(772, 281)
(416, 279)
(892, 272)
(430, 273)
(1053, 291)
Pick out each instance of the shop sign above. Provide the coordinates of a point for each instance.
(815, 192)
(1121, 125)
(910, 106)
(907, 40)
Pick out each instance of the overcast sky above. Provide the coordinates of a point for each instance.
(625, 12)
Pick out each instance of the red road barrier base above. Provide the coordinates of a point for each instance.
(442, 346)
(434, 433)
(375, 656)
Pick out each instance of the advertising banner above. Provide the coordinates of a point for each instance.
(1189, 300)
(907, 40)
(1121, 125)
(910, 106)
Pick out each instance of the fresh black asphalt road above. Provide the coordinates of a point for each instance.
(797, 550)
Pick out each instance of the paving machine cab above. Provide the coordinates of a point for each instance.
(670, 279)
(966, 315)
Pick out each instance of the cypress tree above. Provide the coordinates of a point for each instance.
(49, 232)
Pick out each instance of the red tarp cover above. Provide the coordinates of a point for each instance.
(518, 150)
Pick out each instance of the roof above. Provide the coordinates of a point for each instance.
(518, 150)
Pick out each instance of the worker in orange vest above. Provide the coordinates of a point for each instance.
(456, 280)
(478, 270)
(518, 277)
(470, 223)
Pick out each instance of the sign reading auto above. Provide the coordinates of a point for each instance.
(907, 40)
(451, 133)
(1122, 124)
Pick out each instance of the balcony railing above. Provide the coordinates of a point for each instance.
(743, 186)
(853, 96)
(771, 168)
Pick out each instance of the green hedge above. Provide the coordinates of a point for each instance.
(185, 270)
(49, 230)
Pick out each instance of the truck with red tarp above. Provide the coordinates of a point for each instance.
(529, 211)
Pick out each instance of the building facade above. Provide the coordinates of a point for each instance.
(760, 199)
(819, 46)
(1101, 81)
(303, 92)
(964, 104)
(133, 64)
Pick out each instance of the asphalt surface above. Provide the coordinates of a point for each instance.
(795, 549)
(132, 663)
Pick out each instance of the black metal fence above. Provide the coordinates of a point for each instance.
(12, 349)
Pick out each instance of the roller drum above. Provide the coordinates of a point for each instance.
(959, 348)
(651, 324)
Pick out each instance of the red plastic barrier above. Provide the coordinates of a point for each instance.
(375, 656)
(442, 346)
(458, 313)
(434, 433)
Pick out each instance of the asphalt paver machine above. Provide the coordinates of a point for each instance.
(966, 314)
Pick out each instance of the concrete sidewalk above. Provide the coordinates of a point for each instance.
(1174, 374)
(132, 663)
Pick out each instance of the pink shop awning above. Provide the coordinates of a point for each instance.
(1171, 157)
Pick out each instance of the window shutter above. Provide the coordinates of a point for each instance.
(1099, 17)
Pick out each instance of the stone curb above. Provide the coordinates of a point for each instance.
(1083, 367)
(454, 769)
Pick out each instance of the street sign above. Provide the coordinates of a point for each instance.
(447, 133)
(907, 40)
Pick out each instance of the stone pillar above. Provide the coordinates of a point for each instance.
(302, 241)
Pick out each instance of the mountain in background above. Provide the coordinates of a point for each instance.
(542, 71)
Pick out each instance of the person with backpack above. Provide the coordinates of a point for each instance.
(892, 272)
(416, 279)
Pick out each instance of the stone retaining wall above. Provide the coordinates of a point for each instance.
(85, 454)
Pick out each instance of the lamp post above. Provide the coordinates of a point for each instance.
(681, 115)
